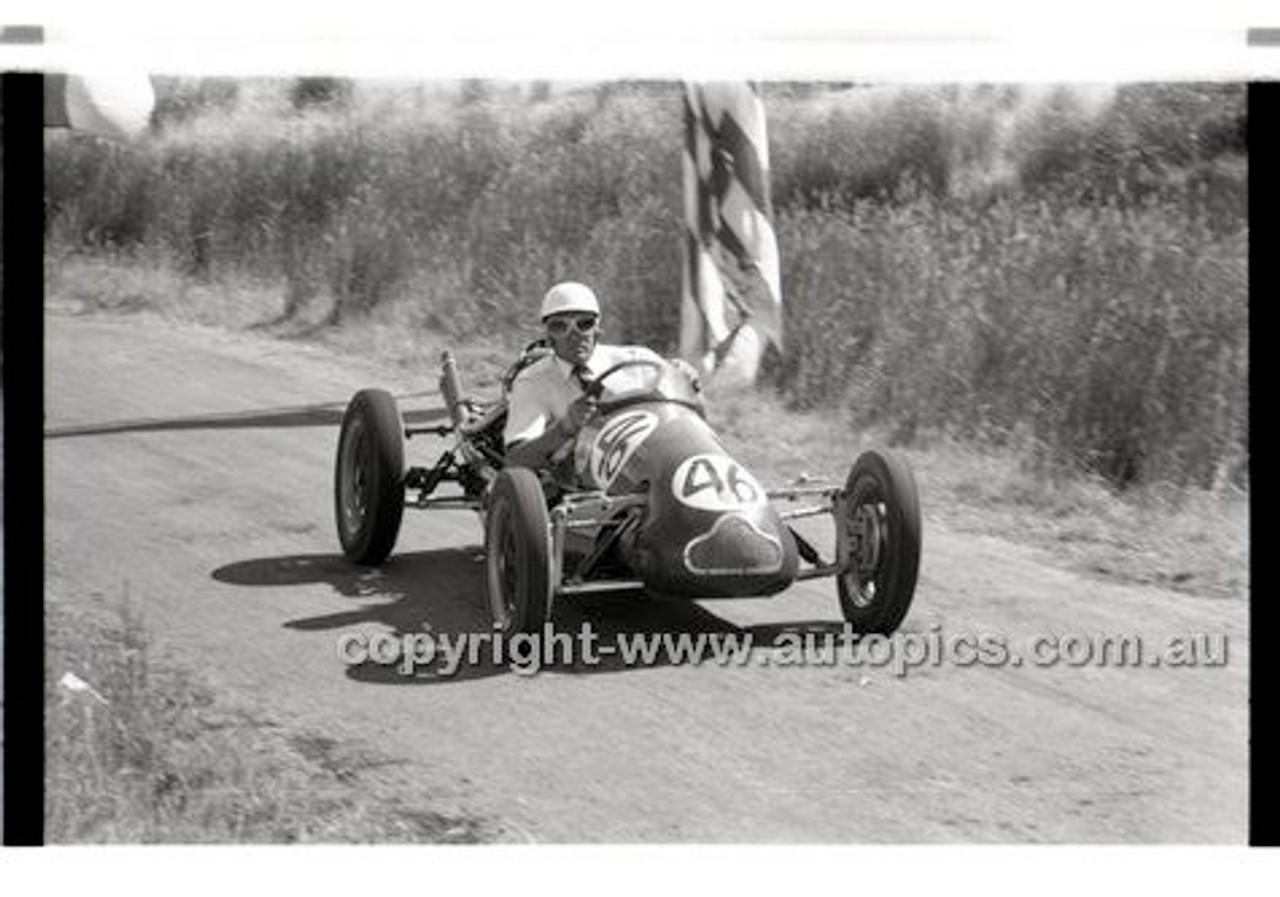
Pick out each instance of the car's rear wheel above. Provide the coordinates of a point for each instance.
(517, 541)
(368, 486)
(881, 529)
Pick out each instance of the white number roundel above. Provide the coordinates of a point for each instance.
(713, 482)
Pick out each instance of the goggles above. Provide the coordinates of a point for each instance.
(561, 326)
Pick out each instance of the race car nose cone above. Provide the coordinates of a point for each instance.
(733, 546)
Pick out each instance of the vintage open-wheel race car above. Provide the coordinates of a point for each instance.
(645, 499)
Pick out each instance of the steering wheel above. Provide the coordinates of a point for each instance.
(595, 388)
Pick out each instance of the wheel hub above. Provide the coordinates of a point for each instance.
(867, 527)
(355, 494)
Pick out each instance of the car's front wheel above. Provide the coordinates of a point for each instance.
(368, 487)
(517, 541)
(880, 527)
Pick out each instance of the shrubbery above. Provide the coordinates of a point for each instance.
(1056, 266)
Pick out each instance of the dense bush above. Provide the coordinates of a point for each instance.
(1063, 267)
(1115, 337)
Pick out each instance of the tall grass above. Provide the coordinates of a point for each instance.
(1064, 269)
(149, 755)
(1113, 337)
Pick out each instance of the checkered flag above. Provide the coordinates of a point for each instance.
(732, 286)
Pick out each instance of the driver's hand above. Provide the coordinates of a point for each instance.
(689, 371)
(580, 411)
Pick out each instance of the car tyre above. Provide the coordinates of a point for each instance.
(517, 540)
(881, 526)
(369, 477)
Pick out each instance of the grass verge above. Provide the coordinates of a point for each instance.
(139, 751)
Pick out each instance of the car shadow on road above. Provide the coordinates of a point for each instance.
(319, 414)
(442, 592)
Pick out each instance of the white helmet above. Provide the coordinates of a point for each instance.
(569, 296)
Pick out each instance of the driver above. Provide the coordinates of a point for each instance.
(547, 405)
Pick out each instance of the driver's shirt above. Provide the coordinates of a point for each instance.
(543, 392)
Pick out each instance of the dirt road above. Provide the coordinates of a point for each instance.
(192, 468)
